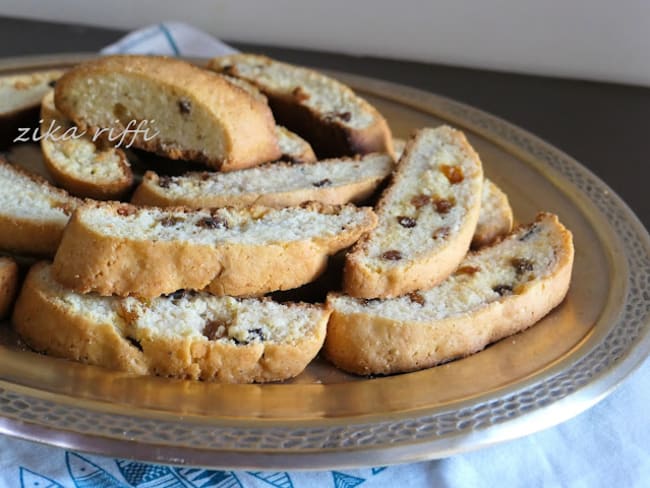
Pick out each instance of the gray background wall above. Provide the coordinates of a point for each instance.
(598, 39)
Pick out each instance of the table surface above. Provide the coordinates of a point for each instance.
(604, 126)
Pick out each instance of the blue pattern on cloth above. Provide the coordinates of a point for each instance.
(342, 480)
(148, 476)
(29, 479)
(86, 471)
(87, 474)
(279, 480)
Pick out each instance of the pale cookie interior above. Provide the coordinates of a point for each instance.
(201, 316)
(320, 93)
(278, 178)
(22, 91)
(256, 226)
(196, 316)
(78, 156)
(112, 97)
(294, 147)
(33, 201)
(427, 206)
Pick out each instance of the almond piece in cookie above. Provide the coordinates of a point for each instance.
(77, 163)
(496, 292)
(184, 335)
(186, 112)
(333, 119)
(120, 249)
(427, 217)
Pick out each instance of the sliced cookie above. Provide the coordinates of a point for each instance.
(186, 112)
(496, 292)
(82, 166)
(333, 119)
(427, 217)
(8, 284)
(333, 181)
(121, 249)
(185, 335)
(20, 99)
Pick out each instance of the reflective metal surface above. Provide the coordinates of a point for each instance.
(325, 418)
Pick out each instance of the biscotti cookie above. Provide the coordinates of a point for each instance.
(33, 213)
(333, 181)
(427, 217)
(186, 335)
(333, 119)
(77, 163)
(120, 249)
(20, 97)
(8, 284)
(294, 148)
(29, 157)
(496, 292)
(495, 218)
(191, 113)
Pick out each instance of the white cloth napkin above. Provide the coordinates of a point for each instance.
(609, 445)
(171, 39)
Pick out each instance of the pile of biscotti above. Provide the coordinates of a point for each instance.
(177, 274)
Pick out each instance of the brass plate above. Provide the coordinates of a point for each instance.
(325, 418)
